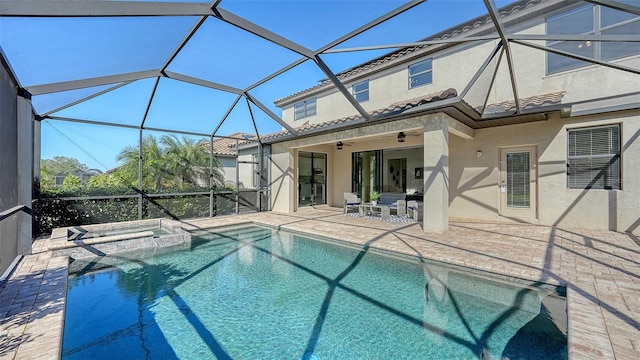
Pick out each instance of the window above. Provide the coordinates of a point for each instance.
(420, 73)
(591, 20)
(361, 91)
(304, 109)
(593, 160)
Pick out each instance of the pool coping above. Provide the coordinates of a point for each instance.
(32, 300)
(554, 289)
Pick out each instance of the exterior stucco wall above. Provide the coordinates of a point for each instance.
(455, 67)
(282, 178)
(474, 191)
(228, 168)
(584, 83)
(475, 194)
(451, 69)
(246, 170)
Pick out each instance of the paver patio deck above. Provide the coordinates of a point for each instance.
(601, 270)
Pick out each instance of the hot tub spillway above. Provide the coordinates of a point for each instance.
(89, 241)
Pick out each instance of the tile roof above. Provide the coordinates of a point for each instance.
(226, 145)
(395, 107)
(459, 30)
(401, 106)
(526, 103)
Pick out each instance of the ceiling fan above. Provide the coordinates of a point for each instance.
(402, 135)
(341, 144)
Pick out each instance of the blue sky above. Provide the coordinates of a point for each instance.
(48, 50)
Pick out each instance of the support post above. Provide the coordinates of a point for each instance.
(267, 188)
(140, 197)
(25, 173)
(436, 176)
(211, 195)
(259, 199)
(237, 178)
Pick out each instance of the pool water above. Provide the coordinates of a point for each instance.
(257, 293)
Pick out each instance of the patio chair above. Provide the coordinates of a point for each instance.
(351, 201)
(415, 209)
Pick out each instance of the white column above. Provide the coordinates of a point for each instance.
(25, 172)
(436, 177)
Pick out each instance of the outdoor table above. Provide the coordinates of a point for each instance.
(369, 208)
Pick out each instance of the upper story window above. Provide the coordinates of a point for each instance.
(593, 157)
(304, 109)
(361, 91)
(420, 73)
(591, 20)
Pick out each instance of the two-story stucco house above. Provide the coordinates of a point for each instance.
(524, 127)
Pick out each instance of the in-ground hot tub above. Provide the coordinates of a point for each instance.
(87, 241)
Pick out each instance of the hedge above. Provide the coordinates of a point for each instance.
(52, 210)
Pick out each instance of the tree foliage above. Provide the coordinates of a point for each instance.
(170, 165)
(59, 165)
(105, 180)
(62, 165)
(71, 181)
(170, 162)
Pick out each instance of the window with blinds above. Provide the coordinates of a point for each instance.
(593, 160)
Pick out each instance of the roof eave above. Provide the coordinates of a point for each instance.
(453, 107)
(523, 14)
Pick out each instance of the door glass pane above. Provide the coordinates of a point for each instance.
(518, 188)
(319, 179)
(367, 173)
(304, 178)
(312, 187)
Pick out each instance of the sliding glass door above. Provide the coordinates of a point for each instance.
(312, 179)
(367, 173)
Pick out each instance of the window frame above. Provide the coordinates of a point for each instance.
(355, 93)
(309, 108)
(615, 156)
(429, 71)
(597, 29)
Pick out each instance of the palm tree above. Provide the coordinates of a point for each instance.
(170, 162)
(187, 160)
(154, 175)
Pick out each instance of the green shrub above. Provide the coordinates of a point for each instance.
(53, 211)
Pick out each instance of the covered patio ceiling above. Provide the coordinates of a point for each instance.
(223, 63)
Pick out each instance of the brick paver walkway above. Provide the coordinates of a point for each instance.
(600, 269)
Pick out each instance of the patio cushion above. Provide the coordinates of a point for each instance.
(391, 199)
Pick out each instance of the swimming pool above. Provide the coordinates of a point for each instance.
(259, 293)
